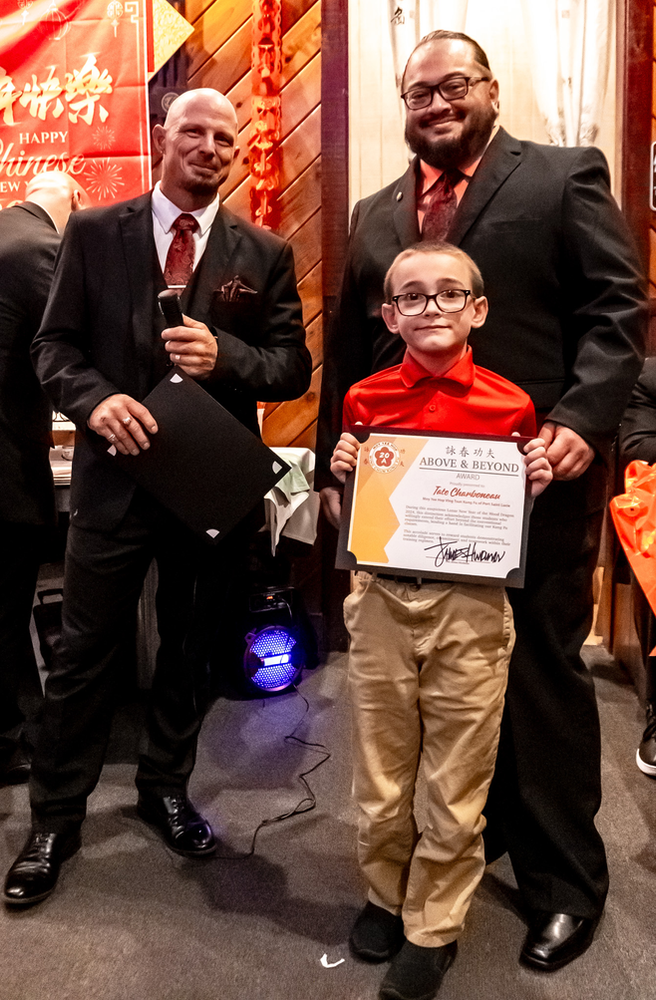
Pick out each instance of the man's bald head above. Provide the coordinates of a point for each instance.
(58, 193)
(198, 143)
(202, 98)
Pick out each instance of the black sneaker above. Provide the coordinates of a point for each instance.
(377, 934)
(646, 752)
(416, 973)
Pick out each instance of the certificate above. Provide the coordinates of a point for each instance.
(437, 506)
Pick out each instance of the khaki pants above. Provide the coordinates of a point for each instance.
(427, 676)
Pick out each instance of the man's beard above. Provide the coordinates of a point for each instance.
(209, 186)
(444, 152)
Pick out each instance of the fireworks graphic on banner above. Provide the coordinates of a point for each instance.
(103, 178)
(104, 137)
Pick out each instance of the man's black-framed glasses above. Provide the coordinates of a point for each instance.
(450, 300)
(453, 89)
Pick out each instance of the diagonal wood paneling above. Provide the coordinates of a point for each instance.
(221, 62)
(218, 54)
(306, 243)
(300, 131)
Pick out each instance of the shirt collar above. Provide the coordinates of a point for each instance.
(462, 371)
(430, 174)
(166, 212)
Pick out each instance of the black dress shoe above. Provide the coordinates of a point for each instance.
(34, 873)
(417, 973)
(377, 934)
(175, 819)
(554, 939)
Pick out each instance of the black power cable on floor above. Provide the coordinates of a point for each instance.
(307, 803)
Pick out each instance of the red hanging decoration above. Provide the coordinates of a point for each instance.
(264, 141)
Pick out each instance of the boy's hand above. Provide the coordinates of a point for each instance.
(538, 467)
(345, 456)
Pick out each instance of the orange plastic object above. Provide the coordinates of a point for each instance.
(634, 517)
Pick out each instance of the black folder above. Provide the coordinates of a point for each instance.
(203, 464)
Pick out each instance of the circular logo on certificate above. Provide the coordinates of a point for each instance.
(384, 457)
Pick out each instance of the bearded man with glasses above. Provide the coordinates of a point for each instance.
(567, 323)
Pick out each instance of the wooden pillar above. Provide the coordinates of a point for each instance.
(634, 102)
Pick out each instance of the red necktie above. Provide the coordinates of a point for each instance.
(180, 258)
(442, 207)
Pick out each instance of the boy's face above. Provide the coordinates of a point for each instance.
(437, 340)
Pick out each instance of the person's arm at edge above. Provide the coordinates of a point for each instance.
(637, 439)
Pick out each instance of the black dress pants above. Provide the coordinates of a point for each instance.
(104, 575)
(546, 790)
(20, 687)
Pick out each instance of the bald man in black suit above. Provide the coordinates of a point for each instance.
(103, 345)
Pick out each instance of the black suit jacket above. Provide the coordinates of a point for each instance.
(567, 299)
(100, 332)
(28, 247)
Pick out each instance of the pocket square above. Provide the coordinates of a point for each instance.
(234, 290)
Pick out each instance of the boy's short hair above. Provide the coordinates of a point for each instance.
(436, 246)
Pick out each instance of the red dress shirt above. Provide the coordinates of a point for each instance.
(465, 400)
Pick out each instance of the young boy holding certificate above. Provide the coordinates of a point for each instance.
(428, 659)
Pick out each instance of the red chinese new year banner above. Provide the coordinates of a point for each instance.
(74, 95)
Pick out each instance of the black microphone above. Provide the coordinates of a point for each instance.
(169, 304)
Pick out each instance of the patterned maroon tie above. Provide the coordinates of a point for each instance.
(180, 258)
(442, 207)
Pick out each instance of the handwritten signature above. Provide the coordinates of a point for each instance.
(447, 552)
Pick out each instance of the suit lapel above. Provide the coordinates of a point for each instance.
(404, 210)
(503, 155)
(223, 241)
(136, 228)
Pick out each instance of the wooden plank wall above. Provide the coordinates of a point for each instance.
(218, 55)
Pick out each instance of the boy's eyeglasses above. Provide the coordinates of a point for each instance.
(449, 90)
(451, 300)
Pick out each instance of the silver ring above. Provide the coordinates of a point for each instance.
(126, 420)
(112, 437)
